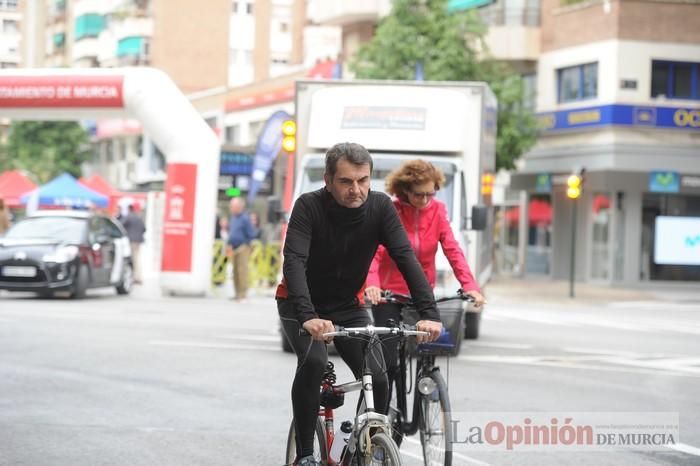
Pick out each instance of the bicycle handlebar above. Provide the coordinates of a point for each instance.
(370, 330)
(390, 297)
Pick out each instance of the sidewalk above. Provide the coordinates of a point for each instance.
(557, 291)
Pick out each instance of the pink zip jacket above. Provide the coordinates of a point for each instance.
(425, 228)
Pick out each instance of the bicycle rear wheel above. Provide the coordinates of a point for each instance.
(320, 447)
(435, 424)
(383, 452)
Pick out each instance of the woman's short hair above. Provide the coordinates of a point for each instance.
(411, 173)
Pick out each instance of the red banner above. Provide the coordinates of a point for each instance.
(61, 91)
(178, 226)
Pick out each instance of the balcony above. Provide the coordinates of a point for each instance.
(131, 26)
(513, 33)
(85, 49)
(347, 12)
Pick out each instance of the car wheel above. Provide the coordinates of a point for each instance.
(472, 320)
(127, 281)
(80, 284)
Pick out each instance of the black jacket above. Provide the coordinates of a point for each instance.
(328, 250)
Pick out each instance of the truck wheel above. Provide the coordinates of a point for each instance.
(472, 320)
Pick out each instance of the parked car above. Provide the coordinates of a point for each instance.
(65, 250)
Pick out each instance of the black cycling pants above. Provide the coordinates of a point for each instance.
(312, 357)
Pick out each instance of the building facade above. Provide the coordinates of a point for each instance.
(618, 96)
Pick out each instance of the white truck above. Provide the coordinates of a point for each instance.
(450, 124)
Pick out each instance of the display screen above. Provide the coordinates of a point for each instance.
(677, 240)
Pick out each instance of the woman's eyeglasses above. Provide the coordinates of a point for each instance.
(427, 195)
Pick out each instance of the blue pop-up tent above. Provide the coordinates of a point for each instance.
(65, 191)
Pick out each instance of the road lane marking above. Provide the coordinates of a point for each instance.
(570, 319)
(271, 338)
(682, 447)
(454, 453)
(206, 345)
(576, 363)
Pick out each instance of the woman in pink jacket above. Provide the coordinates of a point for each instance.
(414, 185)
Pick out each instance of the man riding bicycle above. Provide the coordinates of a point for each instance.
(332, 236)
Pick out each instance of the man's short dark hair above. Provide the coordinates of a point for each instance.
(350, 151)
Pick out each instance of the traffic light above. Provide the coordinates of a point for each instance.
(289, 130)
(487, 184)
(573, 183)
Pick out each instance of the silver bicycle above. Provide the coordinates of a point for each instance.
(370, 441)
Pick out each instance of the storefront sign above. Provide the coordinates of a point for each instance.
(627, 115)
(677, 240)
(664, 182)
(543, 183)
(690, 181)
(178, 226)
(61, 91)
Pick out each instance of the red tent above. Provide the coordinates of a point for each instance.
(13, 185)
(539, 213)
(99, 184)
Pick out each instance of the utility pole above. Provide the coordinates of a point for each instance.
(573, 192)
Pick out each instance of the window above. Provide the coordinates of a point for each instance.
(59, 40)
(89, 25)
(9, 25)
(675, 80)
(249, 8)
(284, 27)
(130, 46)
(577, 82)
(233, 134)
(8, 4)
(234, 7)
(8, 65)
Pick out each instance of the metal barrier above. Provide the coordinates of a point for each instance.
(263, 265)
(219, 264)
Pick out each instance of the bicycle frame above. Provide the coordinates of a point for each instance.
(364, 420)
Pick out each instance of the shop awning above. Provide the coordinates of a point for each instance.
(539, 213)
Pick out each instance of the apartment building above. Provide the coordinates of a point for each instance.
(180, 37)
(618, 95)
(10, 41)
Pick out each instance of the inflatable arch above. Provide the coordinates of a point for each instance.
(190, 146)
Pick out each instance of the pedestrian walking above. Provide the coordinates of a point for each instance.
(4, 217)
(240, 233)
(135, 229)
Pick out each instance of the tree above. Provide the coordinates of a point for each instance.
(47, 148)
(448, 47)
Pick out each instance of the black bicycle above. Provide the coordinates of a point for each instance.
(431, 414)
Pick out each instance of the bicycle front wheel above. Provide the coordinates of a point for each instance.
(435, 424)
(383, 452)
(320, 448)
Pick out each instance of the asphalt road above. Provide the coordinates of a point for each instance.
(146, 380)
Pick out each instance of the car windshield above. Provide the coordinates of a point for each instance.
(312, 179)
(64, 229)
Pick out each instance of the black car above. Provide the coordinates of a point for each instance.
(65, 250)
